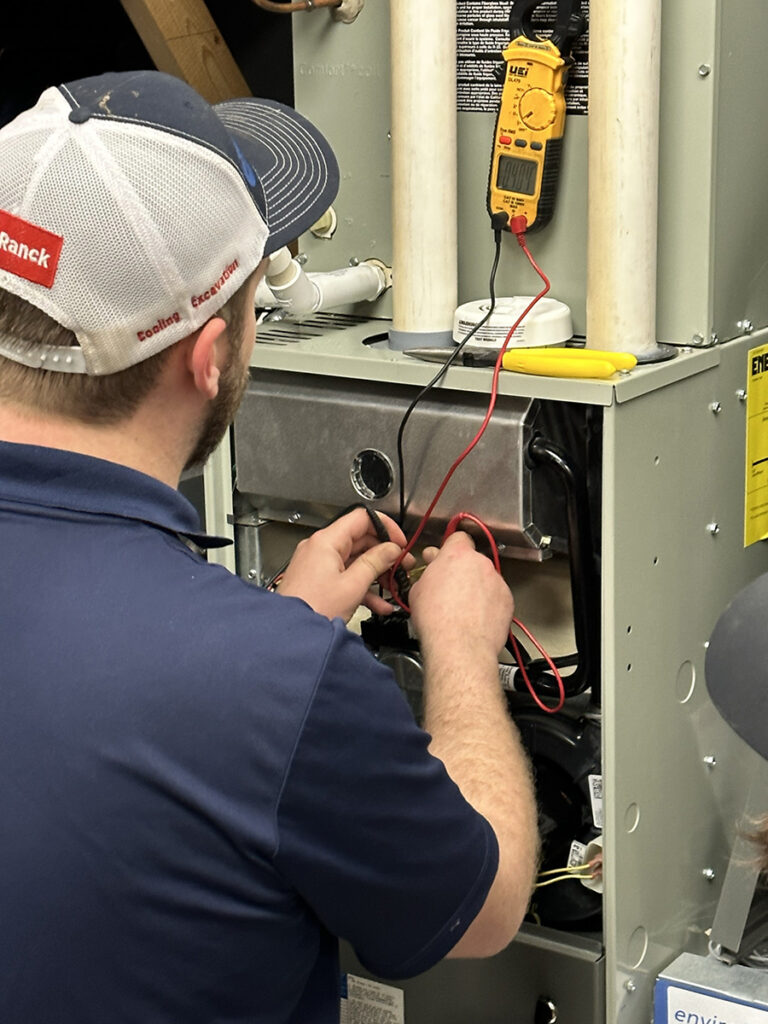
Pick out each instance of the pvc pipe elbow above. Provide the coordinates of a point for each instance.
(299, 294)
(294, 290)
(362, 283)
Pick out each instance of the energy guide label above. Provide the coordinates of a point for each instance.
(369, 1002)
(756, 480)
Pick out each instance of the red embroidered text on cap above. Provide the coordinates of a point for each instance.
(27, 250)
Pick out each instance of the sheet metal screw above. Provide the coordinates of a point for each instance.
(252, 574)
(745, 326)
(710, 761)
(697, 339)
(302, 258)
(546, 1012)
(354, 261)
(710, 874)
(704, 70)
(630, 986)
(741, 394)
(713, 528)
(715, 407)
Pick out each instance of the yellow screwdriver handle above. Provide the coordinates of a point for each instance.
(544, 366)
(620, 360)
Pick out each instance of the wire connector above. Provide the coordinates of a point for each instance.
(518, 226)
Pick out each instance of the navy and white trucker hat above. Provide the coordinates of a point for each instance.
(736, 665)
(131, 210)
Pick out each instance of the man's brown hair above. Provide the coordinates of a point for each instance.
(101, 400)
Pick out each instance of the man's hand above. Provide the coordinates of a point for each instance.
(461, 599)
(334, 569)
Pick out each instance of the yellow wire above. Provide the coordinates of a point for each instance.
(570, 868)
(561, 878)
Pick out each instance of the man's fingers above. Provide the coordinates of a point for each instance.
(373, 563)
(460, 537)
(349, 529)
(378, 605)
(394, 531)
(355, 531)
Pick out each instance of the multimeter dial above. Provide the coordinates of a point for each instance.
(537, 109)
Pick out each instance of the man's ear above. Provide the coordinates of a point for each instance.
(206, 356)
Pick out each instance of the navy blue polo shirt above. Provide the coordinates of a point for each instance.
(202, 784)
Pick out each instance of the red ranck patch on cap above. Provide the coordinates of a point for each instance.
(27, 250)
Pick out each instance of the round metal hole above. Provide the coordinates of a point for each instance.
(371, 474)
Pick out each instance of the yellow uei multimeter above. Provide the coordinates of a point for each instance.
(528, 139)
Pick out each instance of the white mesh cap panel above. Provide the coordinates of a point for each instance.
(158, 231)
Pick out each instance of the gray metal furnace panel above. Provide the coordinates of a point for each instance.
(713, 220)
(675, 775)
(541, 967)
(740, 257)
(314, 445)
(342, 84)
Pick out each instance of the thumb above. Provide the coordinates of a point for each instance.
(373, 563)
(430, 554)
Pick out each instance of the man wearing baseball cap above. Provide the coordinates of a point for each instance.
(204, 785)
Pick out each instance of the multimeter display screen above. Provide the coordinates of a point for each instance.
(516, 175)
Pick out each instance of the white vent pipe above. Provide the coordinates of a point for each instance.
(286, 286)
(424, 203)
(624, 61)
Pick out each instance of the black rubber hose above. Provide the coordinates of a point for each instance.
(585, 585)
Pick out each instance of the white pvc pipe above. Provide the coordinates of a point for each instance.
(287, 286)
(624, 42)
(424, 203)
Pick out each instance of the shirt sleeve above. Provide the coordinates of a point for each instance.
(372, 831)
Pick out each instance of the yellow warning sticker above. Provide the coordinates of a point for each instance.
(756, 485)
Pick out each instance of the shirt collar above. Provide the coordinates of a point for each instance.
(57, 479)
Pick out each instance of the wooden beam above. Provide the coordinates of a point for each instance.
(181, 37)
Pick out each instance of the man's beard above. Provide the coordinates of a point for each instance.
(232, 384)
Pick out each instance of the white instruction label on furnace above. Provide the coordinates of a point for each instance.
(690, 1007)
(483, 31)
(369, 1002)
(596, 798)
(576, 854)
(506, 675)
